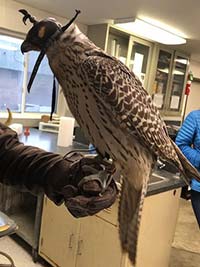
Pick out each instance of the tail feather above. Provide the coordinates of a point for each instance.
(124, 216)
(186, 168)
(130, 212)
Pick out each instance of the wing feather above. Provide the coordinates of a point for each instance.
(122, 93)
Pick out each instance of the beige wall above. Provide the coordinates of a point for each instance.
(11, 19)
(194, 97)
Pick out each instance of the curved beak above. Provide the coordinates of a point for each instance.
(26, 47)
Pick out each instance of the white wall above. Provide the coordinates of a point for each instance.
(11, 19)
(194, 97)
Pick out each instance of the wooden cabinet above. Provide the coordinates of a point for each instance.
(138, 60)
(94, 241)
(68, 242)
(169, 81)
(98, 244)
(157, 229)
(58, 236)
(178, 82)
(162, 77)
(118, 44)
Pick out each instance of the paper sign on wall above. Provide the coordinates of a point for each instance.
(174, 104)
(158, 100)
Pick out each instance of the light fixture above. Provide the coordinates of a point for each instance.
(149, 31)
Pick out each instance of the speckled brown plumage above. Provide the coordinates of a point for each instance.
(118, 116)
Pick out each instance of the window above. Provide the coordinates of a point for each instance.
(39, 100)
(11, 73)
(15, 71)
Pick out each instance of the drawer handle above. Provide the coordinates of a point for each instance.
(71, 238)
(80, 244)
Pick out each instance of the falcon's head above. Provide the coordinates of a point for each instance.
(40, 33)
(40, 36)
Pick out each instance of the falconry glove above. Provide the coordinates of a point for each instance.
(33, 169)
(92, 188)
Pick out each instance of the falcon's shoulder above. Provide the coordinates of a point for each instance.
(123, 94)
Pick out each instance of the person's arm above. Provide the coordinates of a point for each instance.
(184, 139)
(30, 167)
(61, 179)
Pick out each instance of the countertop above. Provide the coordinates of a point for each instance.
(160, 181)
(168, 181)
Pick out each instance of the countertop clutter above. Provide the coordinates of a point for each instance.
(42, 224)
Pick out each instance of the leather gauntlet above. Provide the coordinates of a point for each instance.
(84, 184)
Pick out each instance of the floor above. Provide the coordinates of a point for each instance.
(20, 253)
(186, 245)
(185, 248)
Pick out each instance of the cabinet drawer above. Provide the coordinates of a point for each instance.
(110, 214)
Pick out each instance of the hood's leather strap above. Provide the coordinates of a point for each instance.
(41, 56)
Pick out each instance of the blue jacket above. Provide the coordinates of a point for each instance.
(188, 140)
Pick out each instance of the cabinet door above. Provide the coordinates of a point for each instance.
(177, 86)
(139, 58)
(58, 236)
(117, 45)
(157, 229)
(98, 244)
(162, 78)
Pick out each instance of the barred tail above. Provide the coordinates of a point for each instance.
(185, 167)
(130, 212)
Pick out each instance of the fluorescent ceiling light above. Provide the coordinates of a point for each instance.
(149, 31)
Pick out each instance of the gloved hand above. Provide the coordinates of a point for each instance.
(84, 184)
(90, 187)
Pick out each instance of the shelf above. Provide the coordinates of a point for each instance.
(180, 66)
(178, 82)
(164, 62)
(25, 222)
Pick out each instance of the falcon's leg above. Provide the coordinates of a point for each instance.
(106, 174)
(104, 177)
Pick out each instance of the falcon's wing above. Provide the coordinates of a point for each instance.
(122, 94)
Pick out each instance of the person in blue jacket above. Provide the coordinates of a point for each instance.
(188, 140)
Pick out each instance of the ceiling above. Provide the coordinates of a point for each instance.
(183, 15)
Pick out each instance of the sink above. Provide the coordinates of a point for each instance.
(156, 178)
